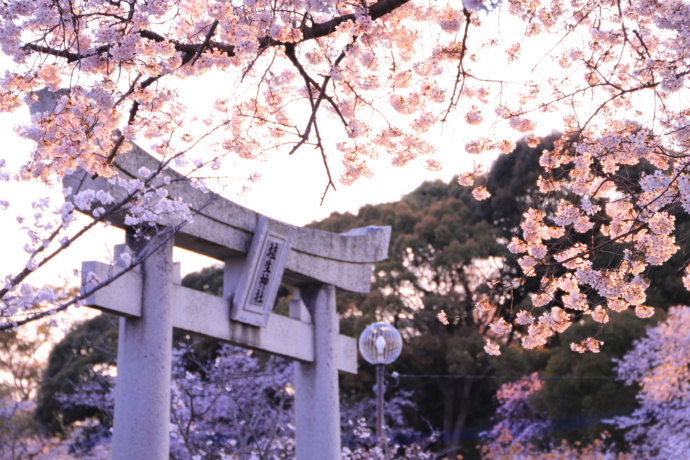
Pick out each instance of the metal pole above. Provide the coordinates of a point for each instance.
(379, 404)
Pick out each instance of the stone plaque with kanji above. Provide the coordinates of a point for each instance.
(261, 272)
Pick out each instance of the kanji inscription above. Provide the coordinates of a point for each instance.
(266, 271)
(261, 272)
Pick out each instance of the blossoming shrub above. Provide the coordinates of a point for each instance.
(660, 364)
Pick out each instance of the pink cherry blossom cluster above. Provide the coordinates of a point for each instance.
(633, 214)
(129, 58)
(658, 428)
(142, 202)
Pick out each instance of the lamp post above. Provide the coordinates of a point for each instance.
(380, 344)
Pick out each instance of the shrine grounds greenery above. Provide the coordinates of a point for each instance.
(445, 247)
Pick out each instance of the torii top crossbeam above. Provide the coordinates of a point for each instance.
(222, 230)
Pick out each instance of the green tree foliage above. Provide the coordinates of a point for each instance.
(209, 280)
(90, 345)
(444, 249)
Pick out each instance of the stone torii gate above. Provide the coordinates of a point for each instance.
(258, 254)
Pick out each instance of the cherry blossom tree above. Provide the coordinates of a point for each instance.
(234, 405)
(657, 428)
(54, 227)
(519, 432)
(659, 364)
(21, 363)
(516, 415)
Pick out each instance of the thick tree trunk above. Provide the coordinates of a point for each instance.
(448, 400)
(456, 410)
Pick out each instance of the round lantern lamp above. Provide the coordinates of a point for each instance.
(380, 344)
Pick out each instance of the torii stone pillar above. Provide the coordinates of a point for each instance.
(317, 402)
(144, 360)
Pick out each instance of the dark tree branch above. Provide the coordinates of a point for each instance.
(316, 104)
(205, 45)
(316, 30)
(461, 66)
(132, 115)
(290, 53)
(319, 145)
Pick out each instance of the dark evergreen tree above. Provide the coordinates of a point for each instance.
(71, 362)
(442, 254)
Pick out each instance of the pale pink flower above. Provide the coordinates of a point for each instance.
(644, 311)
(480, 193)
(600, 315)
(501, 327)
(589, 344)
(492, 348)
(443, 318)
(473, 116)
(465, 179)
(524, 318)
